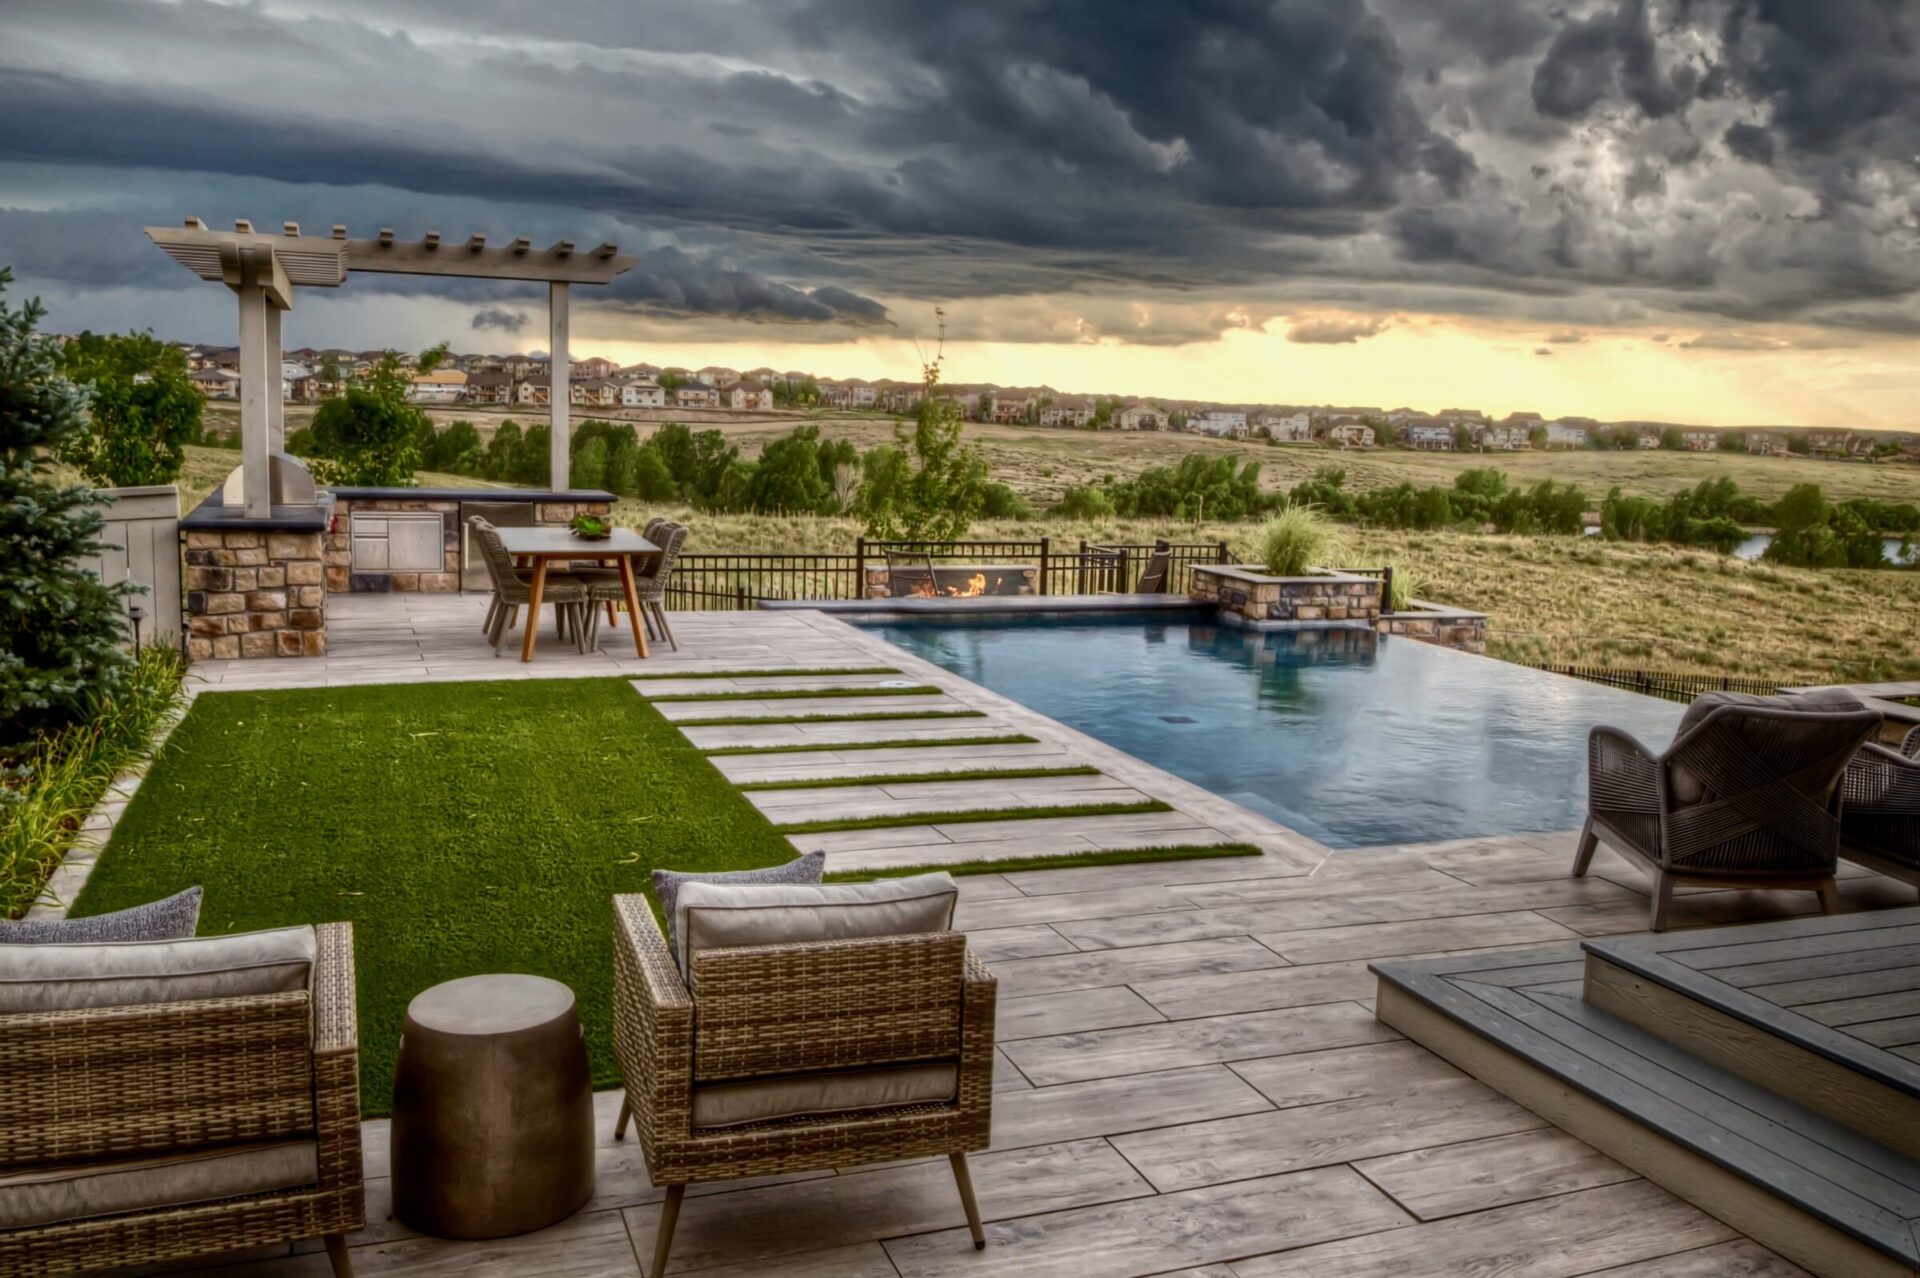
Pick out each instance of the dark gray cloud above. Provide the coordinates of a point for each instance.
(1334, 330)
(836, 163)
(499, 319)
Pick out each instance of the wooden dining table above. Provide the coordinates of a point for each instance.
(538, 547)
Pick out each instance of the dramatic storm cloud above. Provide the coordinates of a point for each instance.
(1056, 171)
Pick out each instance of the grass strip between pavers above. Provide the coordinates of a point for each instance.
(870, 716)
(796, 694)
(966, 815)
(1057, 861)
(460, 827)
(783, 672)
(898, 743)
(904, 778)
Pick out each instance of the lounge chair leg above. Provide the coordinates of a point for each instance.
(612, 618)
(1583, 855)
(337, 1256)
(1662, 901)
(498, 634)
(1830, 897)
(964, 1179)
(620, 1123)
(493, 608)
(513, 616)
(663, 1238)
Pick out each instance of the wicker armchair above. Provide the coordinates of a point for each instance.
(605, 590)
(1748, 796)
(1880, 823)
(513, 590)
(791, 1011)
(105, 1089)
(910, 573)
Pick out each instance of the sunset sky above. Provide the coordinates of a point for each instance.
(1686, 210)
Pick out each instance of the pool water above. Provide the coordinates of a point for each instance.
(1353, 739)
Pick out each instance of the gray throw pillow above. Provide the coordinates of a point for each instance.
(172, 919)
(666, 883)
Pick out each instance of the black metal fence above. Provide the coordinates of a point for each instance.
(710, 582)
(1670, 684)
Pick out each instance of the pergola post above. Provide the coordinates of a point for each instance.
(276, 385)
(254, 444)
(560, 394)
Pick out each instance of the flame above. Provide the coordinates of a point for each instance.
(976, 585)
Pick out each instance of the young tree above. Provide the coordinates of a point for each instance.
(371, 435)
(143, 410)
(945, 484)
(60, 626)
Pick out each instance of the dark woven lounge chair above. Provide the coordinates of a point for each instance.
(1748, 795)
(1880, 824)
(651, 585)
(513, 589)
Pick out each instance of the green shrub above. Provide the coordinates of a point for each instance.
(143, 411)
(1297, 539)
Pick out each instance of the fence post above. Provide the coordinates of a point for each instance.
(859, 567)
(1225, 557)
(1044, 546)
(1386, 589)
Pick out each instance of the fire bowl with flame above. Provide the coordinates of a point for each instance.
(953, 581)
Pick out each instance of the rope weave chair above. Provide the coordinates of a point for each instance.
(910, 573)
(1747, 797)
(513, 590)
(605, 589)
(774, 1011)
(1880, 823)
(157, 1079)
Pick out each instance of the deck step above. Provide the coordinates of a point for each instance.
(1825, 1029)
(1816, 1190)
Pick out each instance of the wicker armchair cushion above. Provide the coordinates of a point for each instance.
(173, 918)
(1688, 787)
(50, 1195)
(52, 978)
(837, 1091)
(720, 916)
(666, 883)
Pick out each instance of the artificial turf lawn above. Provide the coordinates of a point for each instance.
(461, 828)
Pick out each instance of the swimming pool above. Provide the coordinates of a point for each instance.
(1353, 739)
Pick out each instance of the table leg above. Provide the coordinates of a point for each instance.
(633, 604)
(534, 592)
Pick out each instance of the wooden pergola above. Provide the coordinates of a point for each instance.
(264, 269)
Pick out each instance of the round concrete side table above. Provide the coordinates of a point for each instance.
(492, 1130)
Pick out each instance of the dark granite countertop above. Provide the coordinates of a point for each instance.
(471, 494)
(210, 515)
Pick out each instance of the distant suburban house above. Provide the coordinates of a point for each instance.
(441, 386)
(835, 394)
(593, 369)
(1565, 435)
(901, 398)
(1831, 443)
(1700, 441)
(489, 388)
(1220, 422)
(601, 392)
(1502, 439)
(1649, 439)
(1008, 408)
(1348, 433)
(1432, 438)
(1140, 417)
(216, 383)
(1288, 428)
(298, 384)
(534, 390)
(716, 376)
(642, 392)
(1765, 444)
(749, 395)
(519, 367)
(696, 395)
(1072, 414)
(863, 394)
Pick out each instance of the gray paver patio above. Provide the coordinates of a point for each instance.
(1190, 1082)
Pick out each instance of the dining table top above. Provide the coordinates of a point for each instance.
(560, 543)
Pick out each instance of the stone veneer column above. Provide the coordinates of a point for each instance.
(256, 594)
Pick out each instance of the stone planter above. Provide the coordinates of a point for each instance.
(1250, 597)
(1437, 624)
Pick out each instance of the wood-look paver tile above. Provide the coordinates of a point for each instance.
(1016, 911)
(888, 1202)
(1552, 1238)
(1742, 1259)
(1186, 997)
(1155, 874)
(1342, 1131)
(1071, 1012)
(1382, 940)
(1171, 1231)
(1142, 1049)
(1451, 1180)
(859, 1260)
(1110, 1106)
(1343, 1073)
(1001, 945)
(1137, 965)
